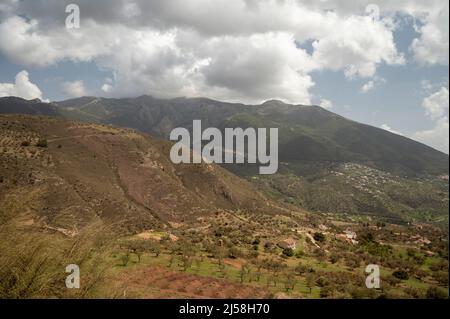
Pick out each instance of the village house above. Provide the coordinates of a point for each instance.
(348, 236)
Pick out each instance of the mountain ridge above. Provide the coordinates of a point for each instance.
(159, 117)
(389, 176)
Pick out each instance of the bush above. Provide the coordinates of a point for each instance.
(235, 252)
(376, 249)
(334, 258)
(322, 282)
(288, 252)
(401, 274)
(326, 292)
(367, 237)
(42, 143)
(319, 237)
(257, 241)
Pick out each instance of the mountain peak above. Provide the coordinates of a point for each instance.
(273, 102)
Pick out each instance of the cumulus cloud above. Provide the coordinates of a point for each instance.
(432, 46)
(436, 105)
(372, 84)
(326, 104)
(22, 87)
(261, 66)
(24, 42)
(437, 108)
(245, 50)
(368, 86)
(347, 46)
(234, 50)
(74, 89)
(437, 137)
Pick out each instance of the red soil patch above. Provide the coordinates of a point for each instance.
(160, 282)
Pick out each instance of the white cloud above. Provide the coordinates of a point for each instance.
(107, 88)
(437, 108)
(436, 105)
(261, 66)
(244, 50)
(432, 46)
(326, 104)
(74, 89)
(372, 84)
(25, 42)
(233, 50)
(389, 129)
(22, 87)
(437, 137)
(368, 86)
(356, 45)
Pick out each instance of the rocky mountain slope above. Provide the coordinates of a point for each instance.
(63, 174)
(308, 134)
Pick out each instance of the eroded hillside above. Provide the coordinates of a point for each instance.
(63, 174)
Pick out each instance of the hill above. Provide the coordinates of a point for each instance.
(15, 105)
(64, 174)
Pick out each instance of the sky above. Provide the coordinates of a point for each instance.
(380, 62)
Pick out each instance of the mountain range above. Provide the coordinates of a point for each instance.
(327, 163)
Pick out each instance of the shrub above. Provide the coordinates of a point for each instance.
(322, 282)
(367, 237)
(301, 269)
(234, 253)
(288, 252)
(125, 258)
(376, 249)
(42, 143)
(257, 241)
(334, 258)
(401, 274)
(326, 292)
(319, 237)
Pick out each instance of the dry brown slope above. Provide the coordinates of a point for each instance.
(90, 172)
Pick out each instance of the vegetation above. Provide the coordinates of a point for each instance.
(95, 203)
(33, 265)
(42, 143)
(319, 237)
(401, 274)
(288, 252)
